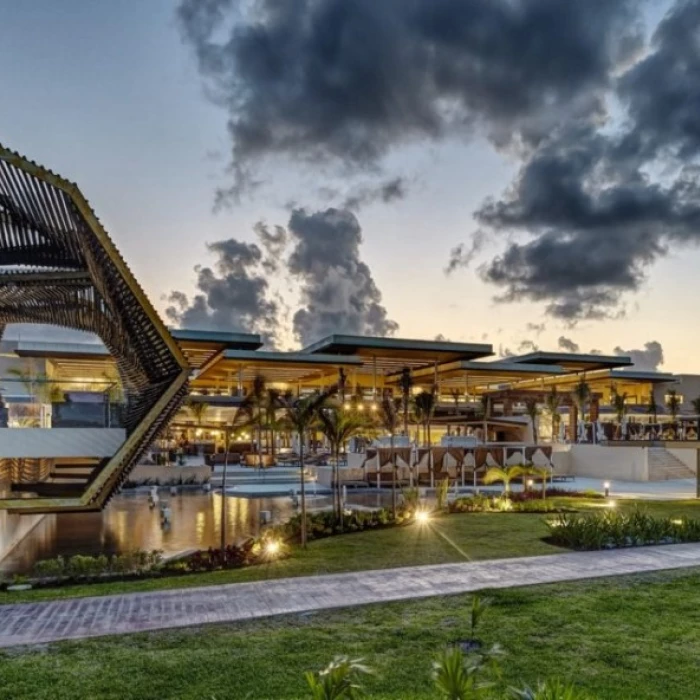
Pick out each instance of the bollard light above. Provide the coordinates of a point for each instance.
(606, 487)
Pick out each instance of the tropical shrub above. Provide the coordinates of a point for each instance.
(339, 680)
(84, 566)
(500, 504)
(441, 492)
(613, 529)
(326, 524)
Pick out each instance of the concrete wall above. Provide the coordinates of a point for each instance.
(601, 462)
(60, 442)
(13, 527)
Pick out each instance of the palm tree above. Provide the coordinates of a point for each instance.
(388, 416)
(300, 414)
(673, 403)
(405, 384)
(339, 426)
(581, 396)
(198, 409)
(533, 410)
(620, 406)
(552, 402)
(504, 474)
(456, 395)
(425, 403)
(653, 408)
(696, 408)
(541, 473)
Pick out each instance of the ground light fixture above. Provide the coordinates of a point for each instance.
(611, 504)
(272, 547)
(529, 483)
(606, 489)
(422, 516)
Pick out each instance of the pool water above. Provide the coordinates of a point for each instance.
(128, 523)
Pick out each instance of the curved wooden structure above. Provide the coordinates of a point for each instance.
(59, 266)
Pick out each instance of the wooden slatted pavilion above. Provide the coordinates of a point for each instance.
(58, 266)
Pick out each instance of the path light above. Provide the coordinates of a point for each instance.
(612, 504)
(272, 547)
(373, 406)
(529, 483)
(677, 521)
(360, 407)
(422, 516)
(606, 486)
(346, 406)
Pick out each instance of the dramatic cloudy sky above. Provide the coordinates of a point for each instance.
(522, 172)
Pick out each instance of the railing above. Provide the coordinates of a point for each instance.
(46, 403)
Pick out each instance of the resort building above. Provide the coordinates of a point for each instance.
(76, 419)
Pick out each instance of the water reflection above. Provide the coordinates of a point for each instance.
(128, 523)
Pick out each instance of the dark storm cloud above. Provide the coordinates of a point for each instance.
(274, 242)
(338, 292)
(567, 344)
(463, 254)
(647, 358)
(348, 82)
(598, 225)
(662, 91)
(598, 206)
(232, 296)
(537, 328)
(388, 191)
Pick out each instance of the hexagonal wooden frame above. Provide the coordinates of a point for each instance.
(59, 266)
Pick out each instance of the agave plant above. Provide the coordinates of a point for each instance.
(552, 689)
(461, 677)
(339, 680)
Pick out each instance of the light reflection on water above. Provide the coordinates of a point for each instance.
(128, 523)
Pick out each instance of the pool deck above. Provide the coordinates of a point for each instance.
(78, 618)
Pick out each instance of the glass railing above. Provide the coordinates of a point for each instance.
(31, 402)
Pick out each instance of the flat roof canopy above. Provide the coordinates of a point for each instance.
(465, 373)
(573, 362)
(391, 355)
(245, 365)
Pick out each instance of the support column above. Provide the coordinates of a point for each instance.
(573, 422)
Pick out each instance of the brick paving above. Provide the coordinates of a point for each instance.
(39, 623)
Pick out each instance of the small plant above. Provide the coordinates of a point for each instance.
(338, 681)
(462, 677)
(479, 607)
(441, 492)
(411, 498)
(549, 690)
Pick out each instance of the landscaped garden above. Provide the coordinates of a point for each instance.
(624, 637)
(446, 537)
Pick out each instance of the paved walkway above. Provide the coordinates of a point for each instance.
(35, 623)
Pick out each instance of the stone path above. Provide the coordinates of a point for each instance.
(35, 623)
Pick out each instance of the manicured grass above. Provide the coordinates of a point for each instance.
(449, 538)
(626, 637)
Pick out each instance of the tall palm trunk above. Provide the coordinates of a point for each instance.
(338, 488)
(393, 473)
(303, 490)
(223, 494)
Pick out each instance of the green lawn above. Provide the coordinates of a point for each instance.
(628, 637)
(449, 538)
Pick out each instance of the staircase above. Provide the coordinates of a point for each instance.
(68, 478)
(664, 466)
